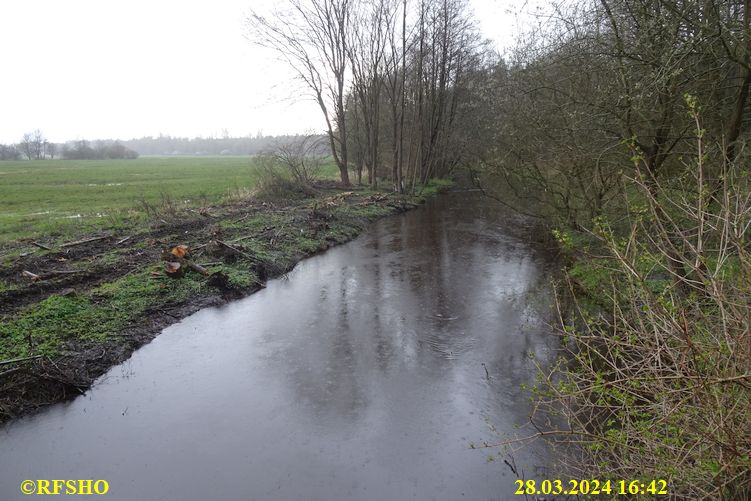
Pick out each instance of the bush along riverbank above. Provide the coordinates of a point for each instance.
(71, 310)
(654, 385)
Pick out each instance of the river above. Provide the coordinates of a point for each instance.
(358, 376)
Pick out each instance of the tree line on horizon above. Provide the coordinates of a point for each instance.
(34, 146)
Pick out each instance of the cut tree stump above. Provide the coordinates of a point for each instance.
(174, 269)
(178, 259)
(30, 275)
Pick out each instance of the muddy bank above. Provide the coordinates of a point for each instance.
(96, 302)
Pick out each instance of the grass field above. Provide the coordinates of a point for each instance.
(63, 197)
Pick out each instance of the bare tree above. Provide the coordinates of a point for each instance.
(367, 54)
(27, 146)
(38, 141)
(311, 37)
(360, 58)
(32, 144)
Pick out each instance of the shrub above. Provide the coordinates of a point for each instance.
(276, 183)
(656, 382)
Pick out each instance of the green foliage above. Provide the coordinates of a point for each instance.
(564, 239)
(594, 276)
(435, 186)
(362, 211)
(240, 277)
(45, 327)
(657, 361)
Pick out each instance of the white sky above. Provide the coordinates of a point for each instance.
(130, 68)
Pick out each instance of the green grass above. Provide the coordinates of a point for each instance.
(45, 327)
(435, 186)
(58, 197)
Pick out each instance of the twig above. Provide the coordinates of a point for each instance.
(196, 267)
(234, 249)
(511, 467)
(164, 312)
(41, 246)
(122, 240)
(205, 214)
(241, 219)
(243, 238)
(10, 371)
(15, 360)
(84, 241)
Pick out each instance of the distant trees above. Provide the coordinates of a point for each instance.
(116, 151)
(78, 150)
(32, 145)
(159, 145)
(170, 145)
(82, 150)
(9, 152)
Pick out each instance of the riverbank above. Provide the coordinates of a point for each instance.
(71, 310)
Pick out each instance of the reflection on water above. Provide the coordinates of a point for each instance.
(359, 377)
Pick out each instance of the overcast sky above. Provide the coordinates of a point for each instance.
(131, 68)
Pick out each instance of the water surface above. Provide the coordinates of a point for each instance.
(359, 376)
